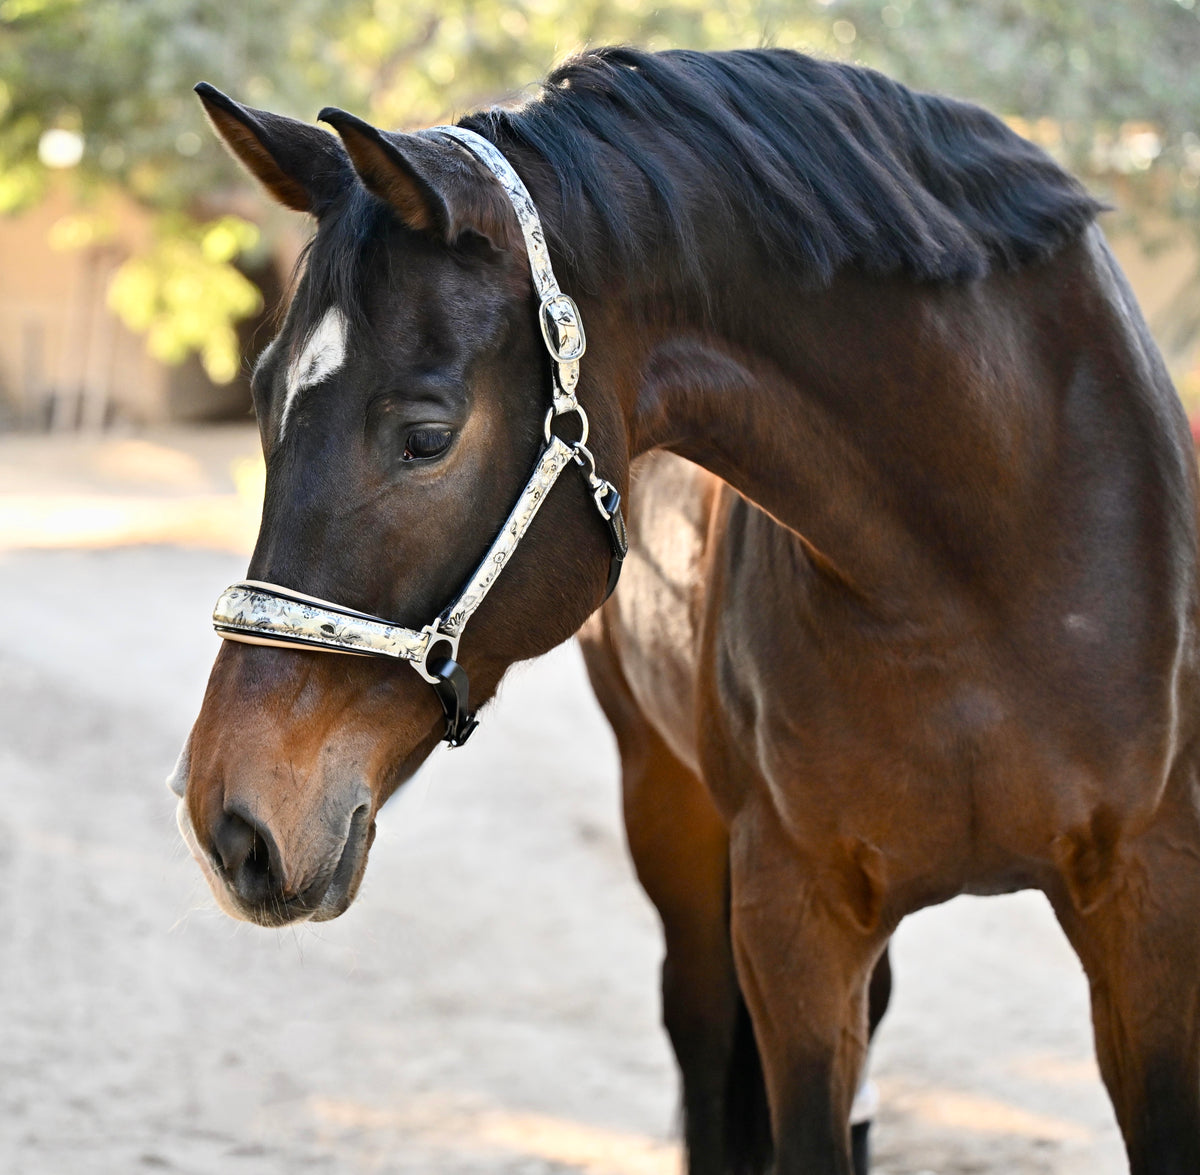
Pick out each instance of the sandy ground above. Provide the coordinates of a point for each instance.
(487, 1006)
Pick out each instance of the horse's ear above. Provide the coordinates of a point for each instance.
(433, 186)
(301, 165)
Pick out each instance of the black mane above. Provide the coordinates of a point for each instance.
(813, 165)
(822, 165)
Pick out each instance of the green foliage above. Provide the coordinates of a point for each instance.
(1111, 86)
(184, 294)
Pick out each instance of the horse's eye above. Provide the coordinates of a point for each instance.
(425, 443)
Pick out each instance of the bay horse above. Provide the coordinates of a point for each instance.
(951, 650)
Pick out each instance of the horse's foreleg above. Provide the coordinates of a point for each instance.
(807, 936)
(680, 850)
(1132, 911)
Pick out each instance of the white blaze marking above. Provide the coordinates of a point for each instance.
(323, 354)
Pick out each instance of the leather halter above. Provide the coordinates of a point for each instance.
(261, 613)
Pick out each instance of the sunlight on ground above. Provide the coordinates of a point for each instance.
(591, 1150)
(1054, 1070)
(947, 1108)
(134, 459)
(76, 520)
(193, 489)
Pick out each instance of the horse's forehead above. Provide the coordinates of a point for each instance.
(322, 354)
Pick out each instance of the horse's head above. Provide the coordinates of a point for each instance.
(402, 409)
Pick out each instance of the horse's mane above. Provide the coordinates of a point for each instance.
(821, 165)
(664, 160)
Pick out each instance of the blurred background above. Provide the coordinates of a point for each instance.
(489, 1004)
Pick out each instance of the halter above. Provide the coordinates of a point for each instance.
(259, 613)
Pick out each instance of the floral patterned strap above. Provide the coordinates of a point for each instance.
(558, 315)
(556, 456)
(266, 614)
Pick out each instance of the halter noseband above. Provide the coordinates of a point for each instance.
(260, 613)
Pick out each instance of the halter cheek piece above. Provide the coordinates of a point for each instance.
(267, 614)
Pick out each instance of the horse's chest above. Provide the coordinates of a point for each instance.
(765, 688)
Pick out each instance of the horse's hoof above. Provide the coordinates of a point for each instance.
(860, 1147)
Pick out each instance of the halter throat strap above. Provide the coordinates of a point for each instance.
(256, 612)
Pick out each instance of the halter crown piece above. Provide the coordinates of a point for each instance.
(260, 613)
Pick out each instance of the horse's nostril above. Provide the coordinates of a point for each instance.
(233, 842)
(242, 850)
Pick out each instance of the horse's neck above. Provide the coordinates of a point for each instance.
(883, 421)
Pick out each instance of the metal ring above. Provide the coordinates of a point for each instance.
(583, 424)
(436, 637)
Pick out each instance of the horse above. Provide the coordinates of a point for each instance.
(951, 650)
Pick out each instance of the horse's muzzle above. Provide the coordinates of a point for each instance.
(251, 880)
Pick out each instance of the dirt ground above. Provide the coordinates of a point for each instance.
(488, 1006)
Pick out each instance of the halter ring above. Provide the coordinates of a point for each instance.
(553, 413)
(436, 639)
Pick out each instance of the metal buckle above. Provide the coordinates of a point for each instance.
(436, 637)
(562, 328)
